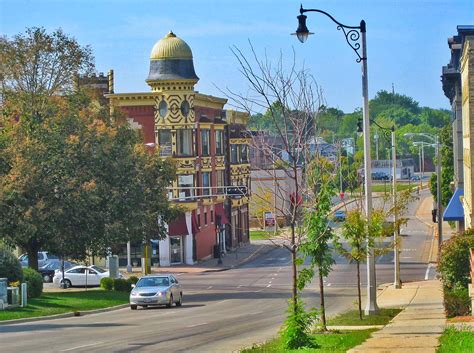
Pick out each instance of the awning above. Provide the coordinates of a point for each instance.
(220, 211)
(178, 226)
(454, 211)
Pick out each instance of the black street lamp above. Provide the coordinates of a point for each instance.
(356, 38)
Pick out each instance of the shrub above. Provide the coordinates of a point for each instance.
(457, 302)
(295, 332)
(34, 281)
(454, 261)
(107, 283)
(10, 267)
(122, 285)
(133, 279)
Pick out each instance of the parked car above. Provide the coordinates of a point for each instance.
(49, 270)
(80, 276)
(380, 176)
(415, 178)
(156, 290)
(339, 216)
(44, 257)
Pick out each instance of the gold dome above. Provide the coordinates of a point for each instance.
(171, 47)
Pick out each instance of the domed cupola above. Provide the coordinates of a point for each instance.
(171, 59)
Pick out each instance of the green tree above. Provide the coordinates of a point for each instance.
(37, 65)
(316, 245)
(385, 100)
(447, 167)
(359, 234)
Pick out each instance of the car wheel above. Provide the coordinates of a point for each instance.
(67, 283)
(144, 306)
(133, 307)
(46, 279)
(170, 304)
(180, 301)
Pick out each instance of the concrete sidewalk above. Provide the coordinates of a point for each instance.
(419, 325)
(230, 260)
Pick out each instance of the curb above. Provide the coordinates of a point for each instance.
(62, 316)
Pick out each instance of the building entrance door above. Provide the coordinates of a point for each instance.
(176, 249)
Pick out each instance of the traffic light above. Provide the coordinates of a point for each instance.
(360, 127)
(433, 215)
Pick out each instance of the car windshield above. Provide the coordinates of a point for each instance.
(153, 282)
(98, 269)
(52, 266)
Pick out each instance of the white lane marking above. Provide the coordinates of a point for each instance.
(268, 286)
(270, 282)
(209, 287)
(201, 324)
(240, 285)
(83, 346)
(427, 273)
(329, 284)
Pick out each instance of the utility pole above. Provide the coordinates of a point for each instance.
(397, 283)
(440, 205)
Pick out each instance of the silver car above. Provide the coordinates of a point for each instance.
(156, 290)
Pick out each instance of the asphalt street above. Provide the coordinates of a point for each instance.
(222, 311)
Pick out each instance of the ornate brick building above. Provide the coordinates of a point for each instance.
(207, 143)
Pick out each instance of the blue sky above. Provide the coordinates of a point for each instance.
(407, 39)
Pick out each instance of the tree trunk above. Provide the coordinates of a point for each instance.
(33, 258)
(321, 303)
(358, 290)
(294, 270)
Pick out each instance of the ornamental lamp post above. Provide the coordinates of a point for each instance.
(354, 34)
(436, 144)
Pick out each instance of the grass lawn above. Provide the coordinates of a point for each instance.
(455, 340)
(351, 318)
(59, 303)
(259, 235)
(388, 187)
(332, 342)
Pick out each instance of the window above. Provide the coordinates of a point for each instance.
(185, 187)
(205, 218)
(219, 143)
(220, 181)
(205, 142)
(206, 183)
(164, 141)
(244, 153)
(234, 154)
(199, 220)
(184, 140)
(212, 216)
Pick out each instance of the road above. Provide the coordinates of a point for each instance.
(222, 311)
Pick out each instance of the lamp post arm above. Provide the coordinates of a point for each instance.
(351, 33)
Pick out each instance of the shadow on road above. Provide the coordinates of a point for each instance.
(41, 326)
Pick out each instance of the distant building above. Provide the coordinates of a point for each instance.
(209, 146)
(405, 168)
(458, 85)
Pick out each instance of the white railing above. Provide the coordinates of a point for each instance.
(189, 193)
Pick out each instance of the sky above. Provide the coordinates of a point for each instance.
(406, 40)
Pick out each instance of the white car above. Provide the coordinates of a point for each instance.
(80, 276)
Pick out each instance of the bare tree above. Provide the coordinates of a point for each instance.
(291, 100)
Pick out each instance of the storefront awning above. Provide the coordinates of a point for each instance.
(454, 211)
(178, 226)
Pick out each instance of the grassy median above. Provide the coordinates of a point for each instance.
(351, 318)
(332, 341)
(454, 340)
(65, 302)
(259, 235)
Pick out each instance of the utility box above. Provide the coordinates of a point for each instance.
(113, 265)
(13, 296)
(3, 293)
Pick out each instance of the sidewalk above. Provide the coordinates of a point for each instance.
(230, 260)
(418, 327)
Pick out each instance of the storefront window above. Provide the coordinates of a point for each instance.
(186, 187)
(220, 181)
(164, 141)
(234, 154)
(184, 140)
(244, 158)
(205, 142)
(219, 143)
(206, 183)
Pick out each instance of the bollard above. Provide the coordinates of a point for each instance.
(24, 295)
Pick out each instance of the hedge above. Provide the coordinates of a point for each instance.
(34, 281)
